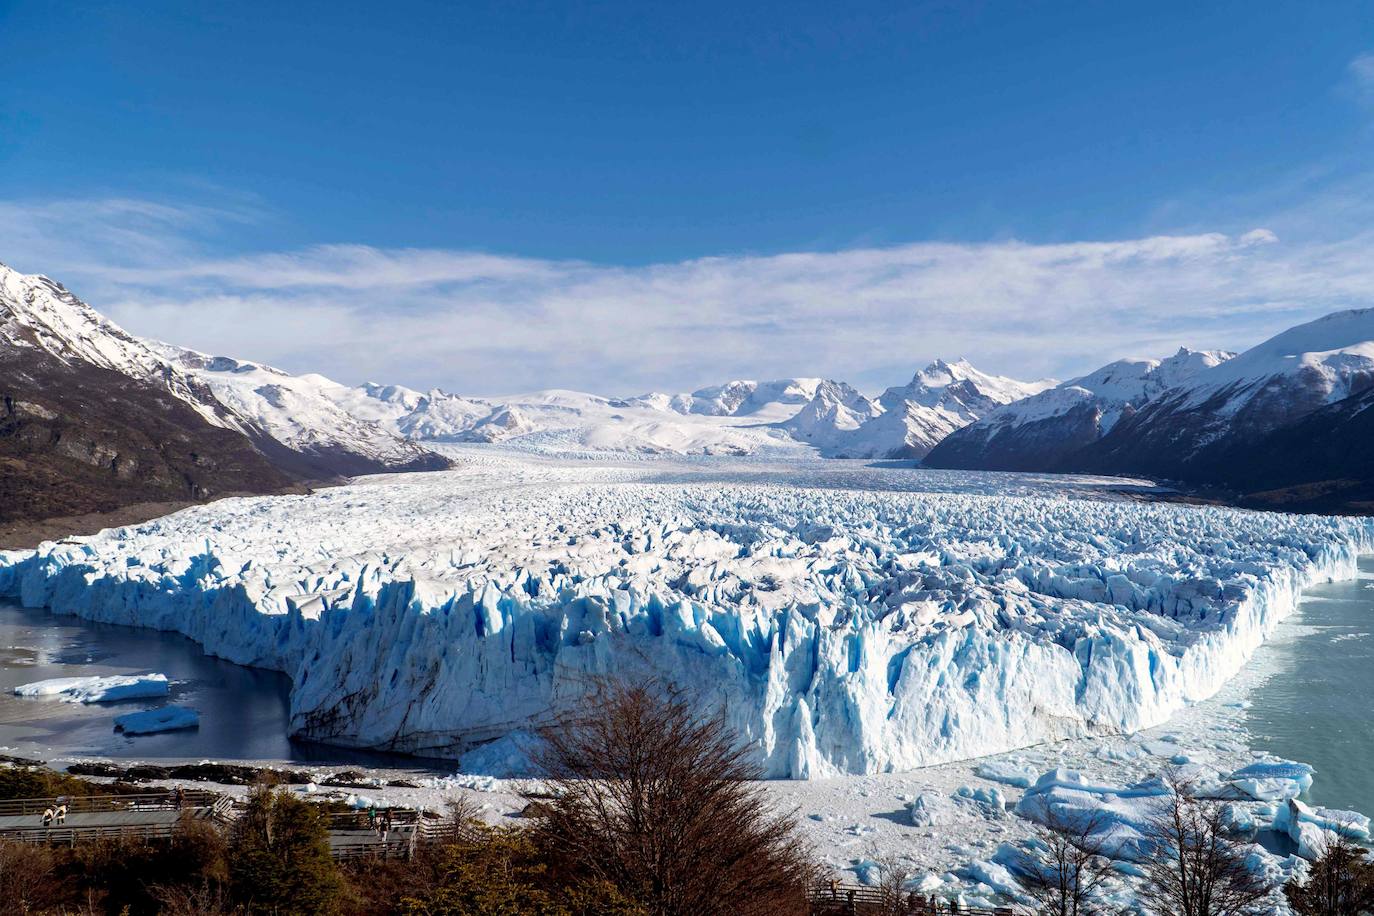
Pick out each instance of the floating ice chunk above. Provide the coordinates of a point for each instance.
(98, 689)
(1277, 769)
(989, 798)
(1269, 789)
(166, 719)
(1291, 816)
(1240, 819)
(931, 809)
(927, 884)
(994, 876)
(1116, 818)
(1008, 772)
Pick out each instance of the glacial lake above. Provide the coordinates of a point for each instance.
(244, 712)
(1315, 702)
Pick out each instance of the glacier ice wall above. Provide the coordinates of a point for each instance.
(845, 621)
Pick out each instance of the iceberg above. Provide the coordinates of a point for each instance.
(846, 619)
(1008, 772)
(98, 689)
(151, 721)
(1116, 818)
(1311, 828)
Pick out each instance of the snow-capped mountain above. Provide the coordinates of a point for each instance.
(91, 420)
(835, 412)
(907, 421)
(737, 417)
(1206, 428)
(1044, 430)
(765, 402)
(300, 413)
(1286, 415)
(96, 417)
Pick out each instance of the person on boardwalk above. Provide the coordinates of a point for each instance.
(61, 814)
(180, 796)
(48, 815)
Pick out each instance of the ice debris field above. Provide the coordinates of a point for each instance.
(846, 619)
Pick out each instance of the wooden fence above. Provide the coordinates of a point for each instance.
(845, 899)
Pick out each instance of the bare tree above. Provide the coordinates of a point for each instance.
(1339, 883)
(661, 803)
(1066, 873)
(1196, 869)
(893, 875)
(206, 899)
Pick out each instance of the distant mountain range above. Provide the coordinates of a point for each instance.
(92, 418)
(1284, 425)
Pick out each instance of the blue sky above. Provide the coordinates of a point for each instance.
(145, 146)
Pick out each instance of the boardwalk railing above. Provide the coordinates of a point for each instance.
(843, 899)
(161, 801)
(354, 835)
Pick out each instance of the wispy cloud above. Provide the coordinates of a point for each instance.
(1362, 73)
(485, 323)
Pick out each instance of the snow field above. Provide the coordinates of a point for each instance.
(843, 622)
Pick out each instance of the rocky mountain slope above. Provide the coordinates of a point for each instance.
(1284, 423)
(1048, 429)
(93, 418)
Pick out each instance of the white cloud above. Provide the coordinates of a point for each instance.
(483, 323)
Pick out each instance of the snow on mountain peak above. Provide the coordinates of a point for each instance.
(1333, 355)
(36, 311)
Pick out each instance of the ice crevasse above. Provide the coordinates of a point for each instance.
(839, 630)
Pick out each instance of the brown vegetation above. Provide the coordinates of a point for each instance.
(660, 802)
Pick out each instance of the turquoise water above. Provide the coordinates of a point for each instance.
(1317, 702)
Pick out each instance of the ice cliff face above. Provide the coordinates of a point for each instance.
(846, 620)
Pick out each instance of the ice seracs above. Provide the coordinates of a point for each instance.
(848, 619)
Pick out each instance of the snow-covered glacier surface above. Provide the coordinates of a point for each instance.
(847, 619)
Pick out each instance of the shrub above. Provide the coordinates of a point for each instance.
(503, 873)
(1339, 883)
(280, 857)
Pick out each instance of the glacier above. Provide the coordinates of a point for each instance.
(845, 619)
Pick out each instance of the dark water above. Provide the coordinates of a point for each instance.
(243, 711)
(1317, 706)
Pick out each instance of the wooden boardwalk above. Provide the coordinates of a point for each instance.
(95, 817)
(352, 835)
